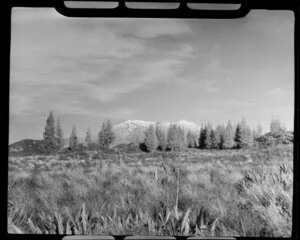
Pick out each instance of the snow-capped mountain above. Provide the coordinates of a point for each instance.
(134, 130)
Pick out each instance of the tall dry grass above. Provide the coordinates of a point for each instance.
(203, 193)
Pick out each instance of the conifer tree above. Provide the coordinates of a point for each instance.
(110, 133)
(161, 137)
(101, 135)
(220, 132)
(173, 140)
(106, 135)
(59, 135)
(201, 138)
(182, 138)
(213, 139)
(88, 138)
(229, 136)
(221, 142)
(49, 142)
(207, 140)
(238, 139)
(196, 140)
(246, 136)
(190, 140)
(151, 141)
(73, 140)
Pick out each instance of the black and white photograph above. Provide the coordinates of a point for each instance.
(161, 127)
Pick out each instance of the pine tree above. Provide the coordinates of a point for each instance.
(238, 137)
(110, 133)
(161, 137)
(201, 138)
(59, 135)
(249, 137)
(49, 142)
(181, 138)
(101, 135)
(246, 136)
(213, 140)
(151, 141)
(190, 139)
(73, 140)
(173, 140)
(221, 143)
(196, 140)
(206, 136)
(88, 138)
(220, 133)
(163, 141)
(229, 136)
(106, 135)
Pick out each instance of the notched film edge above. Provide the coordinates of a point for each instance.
(153, 120)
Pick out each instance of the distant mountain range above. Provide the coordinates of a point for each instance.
(126, 132)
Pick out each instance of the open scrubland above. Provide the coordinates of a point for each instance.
(196, 192)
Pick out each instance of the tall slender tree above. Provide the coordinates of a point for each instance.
(182, 138)
(161, 136)
(73, 140)
(213, 139)
(88, 138)
(229, 136)
(190, 139)
(201, 138)
(238, 138)
(49, 142)
(151, 141)
(207, 140)
(173, 139)
(59, 135)
(106, 135)
(220, 132)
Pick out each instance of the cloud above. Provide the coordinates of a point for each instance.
(74, 64)
(209, 86)
(143, 28)
(237, 103)
(275, 92)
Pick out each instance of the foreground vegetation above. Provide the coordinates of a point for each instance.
(203, 193)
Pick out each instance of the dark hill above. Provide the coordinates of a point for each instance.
(26, 147)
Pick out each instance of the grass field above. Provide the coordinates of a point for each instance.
(204, 193)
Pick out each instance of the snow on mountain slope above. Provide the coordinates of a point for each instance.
(134, 130)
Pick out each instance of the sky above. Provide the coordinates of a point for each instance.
(199, 70)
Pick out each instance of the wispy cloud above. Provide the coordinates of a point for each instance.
(237, 103)
(102, 64)
(87, 70)
(275, 92)
(151, 29)
(209, 85)
(206, 85)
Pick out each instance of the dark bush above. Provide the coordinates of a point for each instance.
(273, 139)
(127, 148)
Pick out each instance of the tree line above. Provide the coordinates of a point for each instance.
(175, 138)
(239, 136)
(53, 136)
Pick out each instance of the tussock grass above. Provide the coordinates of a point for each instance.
(200, 193)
